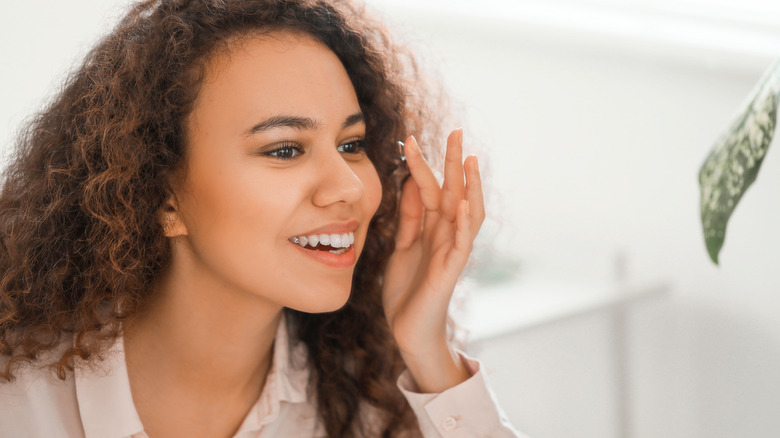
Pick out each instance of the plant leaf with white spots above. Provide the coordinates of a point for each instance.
(735, 159)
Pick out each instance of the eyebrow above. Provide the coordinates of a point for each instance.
(353, 120)
(298, 122)
(283, 121)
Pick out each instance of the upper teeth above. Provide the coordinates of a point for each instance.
(334, 240)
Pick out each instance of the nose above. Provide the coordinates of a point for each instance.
(336, 182)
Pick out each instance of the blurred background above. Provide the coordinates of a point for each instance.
(593, 303)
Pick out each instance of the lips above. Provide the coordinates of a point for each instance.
(332, 245)
(333, 228)
(327, 255)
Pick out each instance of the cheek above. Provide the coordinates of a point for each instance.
(233, 202)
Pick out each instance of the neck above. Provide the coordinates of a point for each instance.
(201, 340)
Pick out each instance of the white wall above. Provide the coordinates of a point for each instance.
(40, 41)
(593, 143)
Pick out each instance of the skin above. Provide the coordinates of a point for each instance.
(198, 356)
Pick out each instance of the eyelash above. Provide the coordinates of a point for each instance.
(360, 145)
(286, 146)
(295, 148)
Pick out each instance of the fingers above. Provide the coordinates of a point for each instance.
(446, 200)
(423, 175)
(464, 239)
(452, 188)
(474, 194)
(411, 214)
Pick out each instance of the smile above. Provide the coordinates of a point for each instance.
(333, 243)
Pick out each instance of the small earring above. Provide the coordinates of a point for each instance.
(401, 147)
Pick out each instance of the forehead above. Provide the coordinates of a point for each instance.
(279, 72)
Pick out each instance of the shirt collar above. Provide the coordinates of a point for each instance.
(106, 403)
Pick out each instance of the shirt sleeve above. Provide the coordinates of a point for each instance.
(469, 409)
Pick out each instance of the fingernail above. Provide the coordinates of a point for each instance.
(412, 143)
(460, 135)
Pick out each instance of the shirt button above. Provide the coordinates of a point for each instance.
(449, 423)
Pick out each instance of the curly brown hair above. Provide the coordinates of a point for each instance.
(81, 243)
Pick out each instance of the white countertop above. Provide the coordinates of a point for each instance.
(524, 303)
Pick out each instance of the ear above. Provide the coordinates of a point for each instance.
(170, 219)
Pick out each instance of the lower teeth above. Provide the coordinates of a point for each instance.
(338, 251)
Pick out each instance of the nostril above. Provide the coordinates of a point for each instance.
(339, 183)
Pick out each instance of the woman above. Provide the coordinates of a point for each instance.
(181, 232)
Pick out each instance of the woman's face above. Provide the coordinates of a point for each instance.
(274, 157)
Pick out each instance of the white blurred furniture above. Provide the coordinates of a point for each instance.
(494, 314)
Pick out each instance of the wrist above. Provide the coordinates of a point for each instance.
(437, 369)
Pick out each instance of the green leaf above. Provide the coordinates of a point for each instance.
(735, 159)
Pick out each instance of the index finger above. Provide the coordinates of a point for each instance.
(430, 191)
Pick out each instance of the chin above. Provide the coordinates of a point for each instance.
(324, 303)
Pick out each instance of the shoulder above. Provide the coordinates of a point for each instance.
(38, 403)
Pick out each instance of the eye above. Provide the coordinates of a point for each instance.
(286, 151)
(353, 147)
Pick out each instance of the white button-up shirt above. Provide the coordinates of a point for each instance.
(97, 402)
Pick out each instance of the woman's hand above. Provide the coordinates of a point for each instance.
(435, 236)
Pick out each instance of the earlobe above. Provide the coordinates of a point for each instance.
(171, 220)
